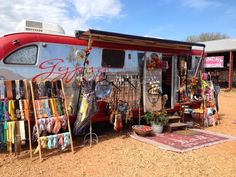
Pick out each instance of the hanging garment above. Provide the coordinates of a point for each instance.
(52, 107)
(57, 125)
(5, 135)
(88, 107)
(2, 138)
(35, 86)
(50, 139)
(17, 110)
(22, 131)
(1, 110)
(63, 122)
(26, 109)
(66, 138)
(22, 89)
(38, 109)
(21, 109)
(13, 89)
(46, 108)
(5, 110)
(8, 84)
(50, 124)
(10, 135)
(55, 141)
(48, 86)
(2, 89)
(11, 108)
(17, 89)
(61, 139)
(44, 141)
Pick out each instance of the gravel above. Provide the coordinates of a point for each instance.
(118, 155)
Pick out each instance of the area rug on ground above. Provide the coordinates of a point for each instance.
(182, 141)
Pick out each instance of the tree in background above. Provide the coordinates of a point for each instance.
(206, 37)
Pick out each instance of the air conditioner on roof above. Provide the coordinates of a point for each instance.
(43, 27)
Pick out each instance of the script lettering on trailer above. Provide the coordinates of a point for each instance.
(53, 69)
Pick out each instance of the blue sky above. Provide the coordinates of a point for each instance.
(169, 19)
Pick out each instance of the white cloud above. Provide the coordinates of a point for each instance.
(70, 14)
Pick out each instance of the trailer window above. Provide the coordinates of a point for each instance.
(113, 58)
(23, 56)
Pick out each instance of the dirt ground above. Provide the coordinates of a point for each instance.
(119, 155)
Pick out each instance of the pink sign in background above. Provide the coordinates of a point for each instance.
(214, 62)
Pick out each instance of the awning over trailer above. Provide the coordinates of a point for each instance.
(136, 41)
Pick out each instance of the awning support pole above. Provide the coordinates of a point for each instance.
(230, 69)
(199, 63)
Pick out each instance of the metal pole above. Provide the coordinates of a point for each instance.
(230, 69)
(199, 63)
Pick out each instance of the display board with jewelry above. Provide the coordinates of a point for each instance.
(124, 99)
(14, 111)
(52, 126)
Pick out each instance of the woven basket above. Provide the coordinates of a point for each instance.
(142, 130)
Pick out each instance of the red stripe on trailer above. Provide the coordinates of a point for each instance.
(22, 39)
(11, 42)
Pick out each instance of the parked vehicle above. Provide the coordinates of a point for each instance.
(32, 55)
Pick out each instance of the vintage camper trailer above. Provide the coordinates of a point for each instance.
(31, 55)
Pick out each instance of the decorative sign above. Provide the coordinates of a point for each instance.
(214, 62)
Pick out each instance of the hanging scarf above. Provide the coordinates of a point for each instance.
(48, 86)
(5, 110)
(10, 135)
(2, 138)
(1, 110)
(11, 108)
(52, 106)
(5, 117)
(57, 125)
(38, 109)
(17, 89)
(22, 89)
(88, 107)
(21, 109)
(26, 109)
(8, 84)
(59, 107)
(22, 130)
(2, 89)
(17, 110)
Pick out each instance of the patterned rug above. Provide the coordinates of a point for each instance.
(187, 132)
(185, 141)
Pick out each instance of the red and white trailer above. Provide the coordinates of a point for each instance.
(31, 55)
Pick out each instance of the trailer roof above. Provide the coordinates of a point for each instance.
(125, 39)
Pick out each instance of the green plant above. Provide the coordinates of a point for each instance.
(156, 117)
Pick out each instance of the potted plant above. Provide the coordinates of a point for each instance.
(157, 120)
